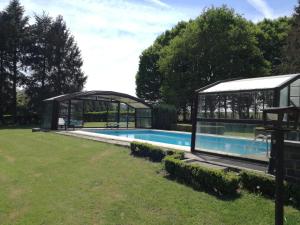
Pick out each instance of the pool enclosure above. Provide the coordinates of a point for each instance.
(96, 109)
(231, 111)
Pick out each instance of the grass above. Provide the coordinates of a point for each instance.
(47, 178)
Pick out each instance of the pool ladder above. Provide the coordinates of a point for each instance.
(264, 138)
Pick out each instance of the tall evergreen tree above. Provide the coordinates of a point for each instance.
(291, 51)
(17, 25)
(39, 61)
(66, 75)
(4, 78)
(55, 61)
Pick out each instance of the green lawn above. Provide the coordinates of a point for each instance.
(52, 179)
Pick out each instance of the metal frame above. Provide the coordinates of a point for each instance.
(103, 96)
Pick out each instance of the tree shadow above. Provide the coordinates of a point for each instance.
(15, 127)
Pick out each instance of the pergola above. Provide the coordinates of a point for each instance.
(232, 107)
(117, 110)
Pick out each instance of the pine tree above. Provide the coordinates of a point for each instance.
(17, 25)
(55, 61)
(4, 82)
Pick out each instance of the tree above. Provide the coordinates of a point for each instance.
(17, 25)
(149, 78)
(4, 75)
(55, 61)
(217, 45)
(66, 75)
(271, 37)
(291, 50)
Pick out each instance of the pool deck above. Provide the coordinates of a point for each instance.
(201, 157)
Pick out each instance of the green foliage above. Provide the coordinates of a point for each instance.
(291, 50)
(183, 127)
(271, 38)
(265, 185)
(149, 78)
(164, 116)
(199, 177)
(258, 183)
(103, 115)
(217, 45)
(42, 57)
(152, 152)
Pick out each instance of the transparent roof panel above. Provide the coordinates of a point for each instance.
(269, 82)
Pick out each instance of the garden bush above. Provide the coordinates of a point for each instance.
(258, 183)
(164, 116)
(183, 127)
(265, 185)
(199, 177)
(152, 152)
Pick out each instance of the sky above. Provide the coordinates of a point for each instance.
(113, 33)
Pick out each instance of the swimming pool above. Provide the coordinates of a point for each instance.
(215, 143)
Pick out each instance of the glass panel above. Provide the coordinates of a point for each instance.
(143, 118)
(47, 115)
(232, 139)
(283, 97)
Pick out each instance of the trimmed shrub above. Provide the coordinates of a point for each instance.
(199, 177)
(265, 185)
(183, 127)
(164, 116)
(294, 194)
(152, 152)
(258, 183)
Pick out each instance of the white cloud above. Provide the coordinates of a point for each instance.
(111, 35)
(160, 3)
(262, 7)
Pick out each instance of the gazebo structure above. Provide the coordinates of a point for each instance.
(108, 108)
(234, 108)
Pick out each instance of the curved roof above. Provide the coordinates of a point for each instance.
(257, 83)
(103, 96)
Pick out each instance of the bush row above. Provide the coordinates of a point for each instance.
(265, 185)
(183, 127)
(199, 177)
(152, 152)
(103, 115)
(214, 180)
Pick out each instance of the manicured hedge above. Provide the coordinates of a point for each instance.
(258, 183)
(152, 152)
(265, 185)
(199, 177)
(183, 127)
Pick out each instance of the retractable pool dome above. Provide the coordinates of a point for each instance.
(235, 107)
(71, 108)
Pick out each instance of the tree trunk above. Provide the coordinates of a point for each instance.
(15, 86)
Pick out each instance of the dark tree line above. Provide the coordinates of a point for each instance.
(37, 61)
(217, 45)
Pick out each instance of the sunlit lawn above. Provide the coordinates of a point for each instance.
(47, 178)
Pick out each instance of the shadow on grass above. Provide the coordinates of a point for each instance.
(231, 197)
(13, 126)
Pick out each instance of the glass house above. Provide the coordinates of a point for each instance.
(229, 114)
(96, 109)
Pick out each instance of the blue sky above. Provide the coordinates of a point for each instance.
(112, 33)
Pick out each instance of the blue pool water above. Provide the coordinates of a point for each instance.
(240, 146)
